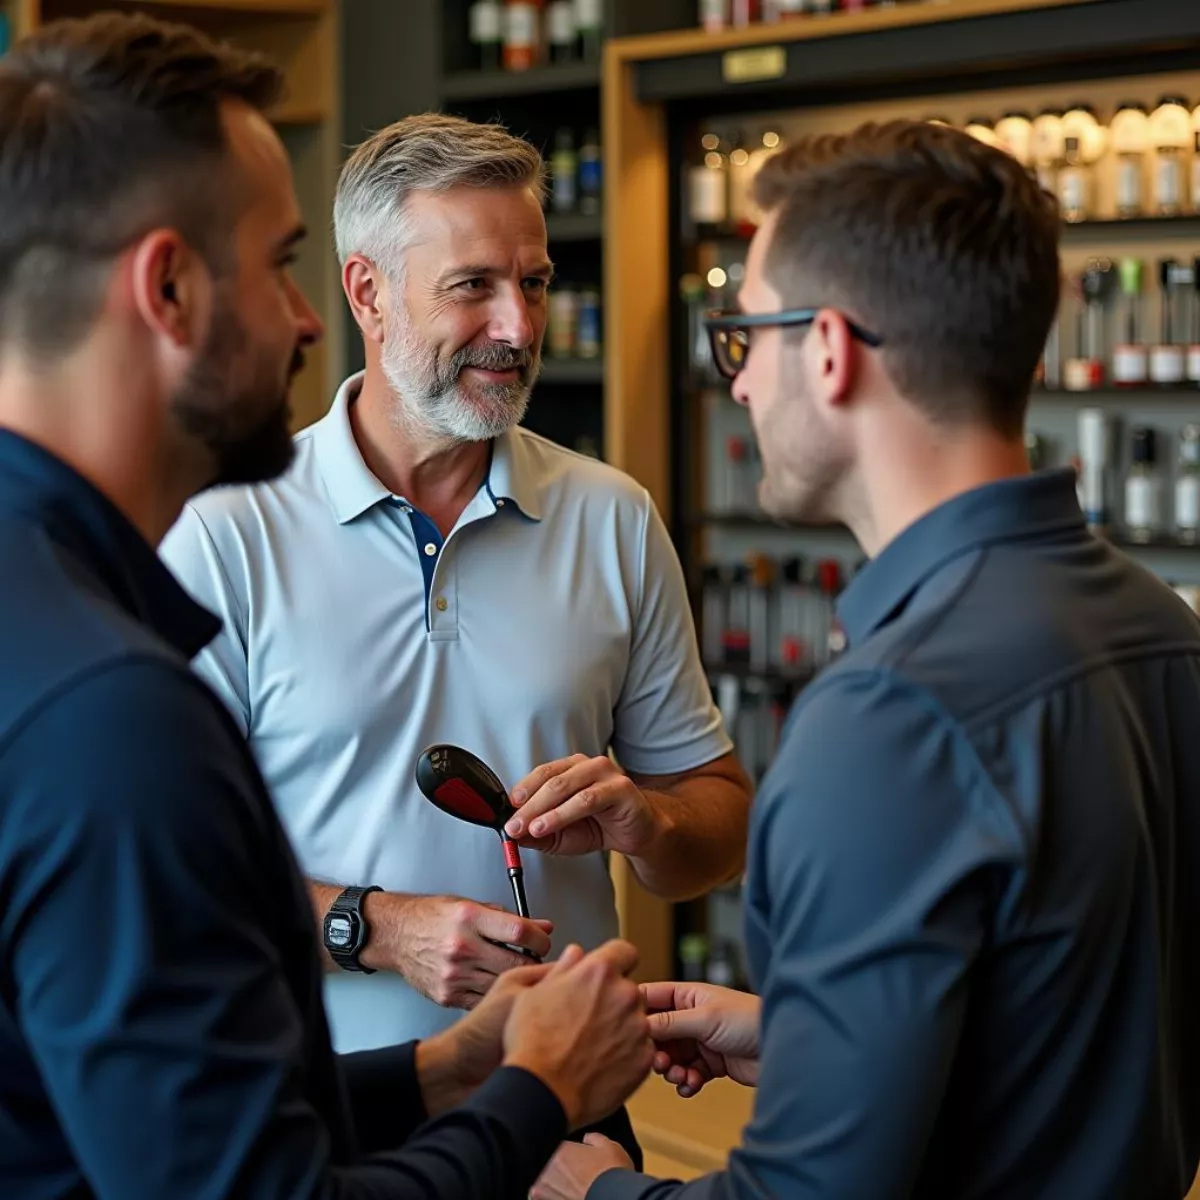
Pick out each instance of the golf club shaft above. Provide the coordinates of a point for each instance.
(516, 877)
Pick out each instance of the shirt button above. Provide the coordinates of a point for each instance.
(499, 503)
(442, 603)
(430, 549)
(405, 509)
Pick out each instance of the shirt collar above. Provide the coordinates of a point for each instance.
(44, 490)
(353, 489)
(1022, 507)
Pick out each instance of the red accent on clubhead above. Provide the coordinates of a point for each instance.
(460, 797)
(512, 855)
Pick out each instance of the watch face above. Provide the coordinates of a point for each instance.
(339, 931)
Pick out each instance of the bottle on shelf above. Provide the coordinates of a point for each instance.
(1196, 160)
(708, 192)
(1015, 133)
(485, 21)
(1143, 488)
(590, 174)
(714, 610)
(830, 640)
(1130, 364)
(561, 30)
(1083, 145)
(980, 128)
(1193, 351)
(1049, 149)
(735, 642)
(1168, 359)
(522, 35)
(1094, 454)
(793, 655)
(1172, 135)
(693, 957)
(743, 212)
(762, 620)
(714, 15)
(694, 296)
(589, 23)
(1085, 372)
(564, 170)
(740, 488)
(1187, 485)
(1131, 140)
(587, 322)
(743, 13)
(561, 318)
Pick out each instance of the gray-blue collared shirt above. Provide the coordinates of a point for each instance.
(973, 901)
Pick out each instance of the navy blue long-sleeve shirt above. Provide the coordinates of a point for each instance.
(161, 1025)
(973, 890)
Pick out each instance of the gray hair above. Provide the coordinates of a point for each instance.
(431, 152)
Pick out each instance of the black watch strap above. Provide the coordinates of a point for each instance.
(345, 929)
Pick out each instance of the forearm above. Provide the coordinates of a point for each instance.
(700, 839)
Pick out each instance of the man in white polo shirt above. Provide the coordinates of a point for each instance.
(429, 572)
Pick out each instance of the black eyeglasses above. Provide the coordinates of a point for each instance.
(729, 333)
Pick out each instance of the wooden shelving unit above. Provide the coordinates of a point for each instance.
(302, 37)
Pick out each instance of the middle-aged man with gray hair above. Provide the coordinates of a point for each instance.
(428, 571)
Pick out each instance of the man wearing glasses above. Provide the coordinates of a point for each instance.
(971, 907)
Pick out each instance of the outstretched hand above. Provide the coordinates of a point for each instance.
(703, 1033)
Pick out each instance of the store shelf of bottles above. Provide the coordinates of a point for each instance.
(1191, 388)
(572, 370)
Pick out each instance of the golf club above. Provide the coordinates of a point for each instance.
(465, 787)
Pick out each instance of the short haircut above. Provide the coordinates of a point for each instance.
(109, 127)
(430, 152)
(945, 247)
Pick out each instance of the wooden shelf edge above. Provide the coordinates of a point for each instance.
(289, 115)
(488, 85)
(253, 8)
(680, 43)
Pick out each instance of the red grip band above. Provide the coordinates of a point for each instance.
(512, 855)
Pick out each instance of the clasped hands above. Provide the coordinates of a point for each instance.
(591, 1036)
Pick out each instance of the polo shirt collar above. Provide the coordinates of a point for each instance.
(1025, 506)
(512, 475)
(353, 489)
(39, 487)
(351, 486)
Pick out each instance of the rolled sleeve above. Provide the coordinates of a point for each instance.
(666, 721)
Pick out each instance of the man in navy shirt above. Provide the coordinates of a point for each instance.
(161, 1026)
(973, 899)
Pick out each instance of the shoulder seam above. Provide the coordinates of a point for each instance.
(243, 616)
(958, 730)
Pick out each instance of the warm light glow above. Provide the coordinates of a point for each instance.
(710, 141)
(716, 278)
(712, 160)
(770, 140)
(739, 157)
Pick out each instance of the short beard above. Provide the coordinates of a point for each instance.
(431, 395)
(246, 446)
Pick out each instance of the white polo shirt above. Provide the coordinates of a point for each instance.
(552, 620)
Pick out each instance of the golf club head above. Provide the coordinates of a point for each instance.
(463, 786)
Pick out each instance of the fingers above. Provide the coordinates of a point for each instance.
(588, 800)
(681, 1024)
(660, 997)
(568, 778)
(499, 926)
(622, 956)
(597, 1139)
(542, 775)
(569, 957)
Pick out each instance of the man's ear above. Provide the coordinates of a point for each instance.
(365, 286)
(170, 287)
(831, 357)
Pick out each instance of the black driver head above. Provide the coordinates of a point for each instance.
(464, 786)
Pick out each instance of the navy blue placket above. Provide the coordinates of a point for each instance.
(429, 542)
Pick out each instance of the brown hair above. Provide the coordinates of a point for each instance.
(945, 247)
(109, 127)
